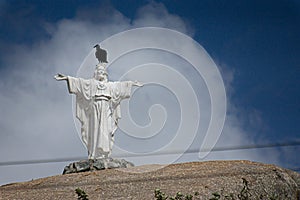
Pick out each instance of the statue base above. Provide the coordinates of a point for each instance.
(96, 164)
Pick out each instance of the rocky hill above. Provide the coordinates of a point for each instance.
(213, 179)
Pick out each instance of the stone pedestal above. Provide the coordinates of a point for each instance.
(96, 164)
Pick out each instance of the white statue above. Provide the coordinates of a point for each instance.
(98, 108)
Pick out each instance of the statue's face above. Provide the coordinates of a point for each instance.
(100, 75)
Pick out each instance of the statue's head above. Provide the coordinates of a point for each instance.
(100, 73)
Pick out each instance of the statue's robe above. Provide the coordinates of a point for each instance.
(98, 110)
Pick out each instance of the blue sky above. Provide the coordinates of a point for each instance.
(255, 44)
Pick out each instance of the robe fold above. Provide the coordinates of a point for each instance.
(98, 110)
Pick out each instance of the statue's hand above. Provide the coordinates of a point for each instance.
(138, 84)
(60, 77)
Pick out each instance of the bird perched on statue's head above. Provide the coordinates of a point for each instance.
(100, 54)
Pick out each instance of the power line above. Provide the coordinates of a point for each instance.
(40, 161)
(245, 147)
(254, 146)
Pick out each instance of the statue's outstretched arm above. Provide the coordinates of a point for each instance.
(60, 77)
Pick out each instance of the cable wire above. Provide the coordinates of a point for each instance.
(55, 160)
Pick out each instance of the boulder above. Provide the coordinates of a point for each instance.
(96, 164)
(209, 180)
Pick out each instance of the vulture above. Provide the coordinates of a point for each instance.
(100, 54)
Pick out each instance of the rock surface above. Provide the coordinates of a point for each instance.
(97, 164)
(218, 177)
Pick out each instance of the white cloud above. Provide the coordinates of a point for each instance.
(38, 122)
(156, 14)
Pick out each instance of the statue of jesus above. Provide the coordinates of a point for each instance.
(98, 108)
